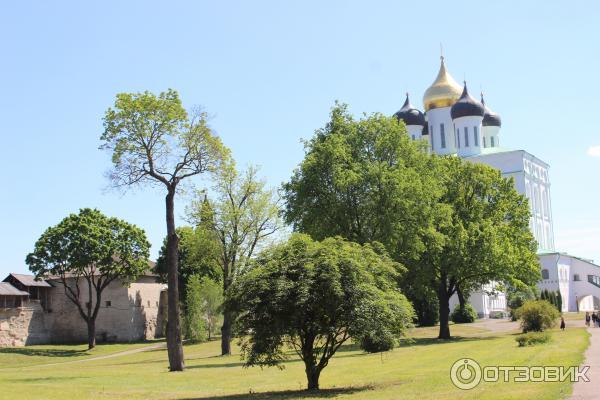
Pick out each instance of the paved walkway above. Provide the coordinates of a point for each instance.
(591, 389)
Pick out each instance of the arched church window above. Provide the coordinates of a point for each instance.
(466, 137)
(545, 274)
(475, 136)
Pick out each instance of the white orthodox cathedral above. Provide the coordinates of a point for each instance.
(453, 122)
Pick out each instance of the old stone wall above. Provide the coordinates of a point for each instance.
(126, 314)
(24, 325)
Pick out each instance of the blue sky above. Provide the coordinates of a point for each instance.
(269, 72)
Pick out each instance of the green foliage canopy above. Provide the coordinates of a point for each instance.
(90, 250)
(313, 297)
(365, 180)
(198, 253)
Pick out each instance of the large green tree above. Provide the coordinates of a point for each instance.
(313, 297)
(243, 214)
(154, 141)
(454, 224)
(87, 252)
(486, 238)
(365, 180)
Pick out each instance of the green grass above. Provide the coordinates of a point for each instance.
(14, 357)
(419, 369)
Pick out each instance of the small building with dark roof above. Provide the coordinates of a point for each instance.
(36, 289)
(10, 296)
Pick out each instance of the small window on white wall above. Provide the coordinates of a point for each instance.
(545, 274)
(492, 142)
(431, 135)
(466, 137)
(458, 137)
(442, 136)
(576, 277)
(475, 136)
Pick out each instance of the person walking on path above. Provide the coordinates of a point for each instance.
(594, 319)
(562, 323)
(587, 319)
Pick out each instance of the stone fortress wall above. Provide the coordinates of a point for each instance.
(127, 313)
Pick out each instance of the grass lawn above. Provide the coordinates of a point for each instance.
(419, 369)
(15, 357)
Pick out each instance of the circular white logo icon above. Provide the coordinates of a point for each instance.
(465, 373)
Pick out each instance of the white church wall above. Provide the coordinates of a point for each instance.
(531, 179)
(483, 302)
(436, 118)
(555, 276)
(571, 275)
(467, 132)
(490, 132)
(414, 131)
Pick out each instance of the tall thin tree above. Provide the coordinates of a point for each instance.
(243, 215)
(153, 140)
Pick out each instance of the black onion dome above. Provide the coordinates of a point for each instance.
(466, 106)
(410, 115)
(490, 118)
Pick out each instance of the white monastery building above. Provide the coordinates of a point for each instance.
(454, 123)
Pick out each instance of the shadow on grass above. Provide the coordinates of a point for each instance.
(49, 379)
(216, 365)
(288, 394)
(27, 351)
(409, 342)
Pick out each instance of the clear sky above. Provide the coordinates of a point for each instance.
(269, 72)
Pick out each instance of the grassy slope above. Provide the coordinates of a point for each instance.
(419, 370)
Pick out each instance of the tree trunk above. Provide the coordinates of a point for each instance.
(226, 334)
(226, 327)
(444, 304)
(461, 299)
(174, 342)
(312, 377)
(91, 325)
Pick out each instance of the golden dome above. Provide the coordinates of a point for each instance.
(443, 92)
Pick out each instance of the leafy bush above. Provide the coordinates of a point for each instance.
(427, 311)
(532, 338)
(497, 314)
(465, 315)
(517, 297)
(378, 342)
(537, 315)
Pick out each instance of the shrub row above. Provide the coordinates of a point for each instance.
(532, 338)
